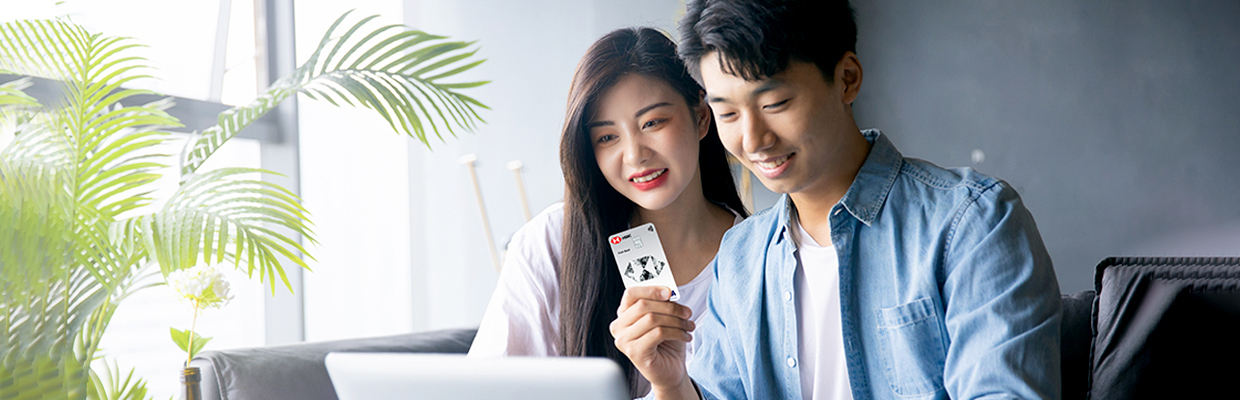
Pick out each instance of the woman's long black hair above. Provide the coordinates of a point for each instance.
(590, 285)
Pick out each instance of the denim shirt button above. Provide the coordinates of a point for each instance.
(788, 296)
(792, 362)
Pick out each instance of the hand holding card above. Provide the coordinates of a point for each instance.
(639, 254)
(652, 334)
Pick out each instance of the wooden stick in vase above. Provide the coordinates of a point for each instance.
(515, 167)
(469, 160)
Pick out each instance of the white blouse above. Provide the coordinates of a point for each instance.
(523, 317)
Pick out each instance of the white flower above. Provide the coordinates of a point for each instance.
(221, 288)
(202, 285)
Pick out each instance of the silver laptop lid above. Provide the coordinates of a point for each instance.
(382, 376)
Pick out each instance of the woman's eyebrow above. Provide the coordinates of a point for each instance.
(596, 124)
(650, 107)
(644, 110)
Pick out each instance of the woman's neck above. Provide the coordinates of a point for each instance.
(689, 229)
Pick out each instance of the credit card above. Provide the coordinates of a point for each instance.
(639, 254)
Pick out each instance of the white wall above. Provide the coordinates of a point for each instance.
(354, 181)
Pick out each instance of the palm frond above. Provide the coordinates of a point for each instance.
(116, 163)
(69, 172)
(103, 133)
(36, 219)
(229, 123)
(220, 216)
(12, 95)
(44, 300)
(108, 384)
(44, 48)
(47, 296)
(43, 378)
(37, 143)
(401, 74)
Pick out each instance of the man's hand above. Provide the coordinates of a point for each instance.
(652, 332)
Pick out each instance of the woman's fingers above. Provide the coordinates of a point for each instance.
(642, 347)
(654, 311)
(662, 334)
(651, 322)
(643, 307)
(644, 299)
(633, 294)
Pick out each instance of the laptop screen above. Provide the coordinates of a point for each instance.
(380, 376)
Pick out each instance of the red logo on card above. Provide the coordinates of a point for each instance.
(615, 240)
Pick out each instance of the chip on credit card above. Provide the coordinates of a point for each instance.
(639, 254)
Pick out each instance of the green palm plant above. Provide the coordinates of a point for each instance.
(79, 228)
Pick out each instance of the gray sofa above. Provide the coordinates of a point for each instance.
(1157, 318)
(297, 371)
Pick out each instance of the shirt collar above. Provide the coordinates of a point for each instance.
(865, 197)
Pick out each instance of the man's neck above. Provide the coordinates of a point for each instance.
(813, 204)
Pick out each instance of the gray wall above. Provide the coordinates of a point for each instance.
(1118, 121)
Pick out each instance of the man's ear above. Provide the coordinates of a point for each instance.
(848, 72)
(704, 117)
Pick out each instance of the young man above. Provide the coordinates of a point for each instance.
(875, 276)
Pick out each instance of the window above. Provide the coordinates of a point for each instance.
(203, 50)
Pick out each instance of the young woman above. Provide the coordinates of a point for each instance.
(638, 146)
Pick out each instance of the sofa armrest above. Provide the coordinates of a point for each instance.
(297, 371)
(1076, 336)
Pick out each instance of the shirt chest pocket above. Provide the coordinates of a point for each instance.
(912, 347)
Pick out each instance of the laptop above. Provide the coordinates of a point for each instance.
(383, 376)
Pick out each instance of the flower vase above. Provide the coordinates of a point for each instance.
(190, 380)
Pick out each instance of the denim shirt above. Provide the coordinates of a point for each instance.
(946, 291)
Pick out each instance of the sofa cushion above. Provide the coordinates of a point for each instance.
(1166, 328)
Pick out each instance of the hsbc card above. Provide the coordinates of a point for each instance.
(639, 254)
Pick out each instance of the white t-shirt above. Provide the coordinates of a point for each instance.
(523, 317)
(824, 368)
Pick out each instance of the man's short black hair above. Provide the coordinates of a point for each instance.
(757, 38)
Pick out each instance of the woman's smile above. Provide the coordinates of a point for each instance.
(649, 179)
